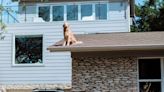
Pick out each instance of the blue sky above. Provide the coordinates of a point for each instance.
(14, 7)
(8, 3)
(139, 1)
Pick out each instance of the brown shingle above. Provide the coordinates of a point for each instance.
(114, 41)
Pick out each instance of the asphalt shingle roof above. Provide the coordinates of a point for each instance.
(114, 41)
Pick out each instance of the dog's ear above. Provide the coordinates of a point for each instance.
(63, 25)
(66, 24)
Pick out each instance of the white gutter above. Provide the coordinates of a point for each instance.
(105, 48)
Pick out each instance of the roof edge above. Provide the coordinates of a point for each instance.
(104, 48)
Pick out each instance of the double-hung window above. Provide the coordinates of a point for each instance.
(28, 50)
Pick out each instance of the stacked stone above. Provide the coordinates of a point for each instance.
(36, 86)
(104, 74)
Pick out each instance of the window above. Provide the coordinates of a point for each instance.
(44, 13)
(151, 86)
(149, 75)
(72, 12)
(86, 12)
(58, 13)
(78, 11)
(101, 11)
(28, 49)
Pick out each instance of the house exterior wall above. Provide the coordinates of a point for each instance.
(57, 68)
(104, 74)
(111, 71)
(118, 12)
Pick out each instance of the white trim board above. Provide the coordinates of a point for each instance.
(151, 80)
(28, 65)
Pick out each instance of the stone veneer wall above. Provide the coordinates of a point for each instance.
(34, 86)
(103, 74)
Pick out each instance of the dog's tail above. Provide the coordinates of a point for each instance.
(79, 42)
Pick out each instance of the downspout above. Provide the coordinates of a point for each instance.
(132, 8)
(132, 12)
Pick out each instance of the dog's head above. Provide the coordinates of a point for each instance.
(65, 25)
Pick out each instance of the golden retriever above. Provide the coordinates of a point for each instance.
(69, 38)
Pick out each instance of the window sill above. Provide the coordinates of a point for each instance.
(28, 65)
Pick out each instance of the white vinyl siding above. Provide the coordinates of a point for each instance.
(115, 11)
(57, 66)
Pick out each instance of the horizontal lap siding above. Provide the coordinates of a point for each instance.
(117, 11)
(81, 27)
(57, 65)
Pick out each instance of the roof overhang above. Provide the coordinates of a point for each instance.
(114, 42)
(105, 48)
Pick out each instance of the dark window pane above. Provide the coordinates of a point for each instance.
(28, 49)
(44, 13)
(58, 13)
(149, 69)
(101, 11)
(86, 12)
(150, 86)
(72, 12)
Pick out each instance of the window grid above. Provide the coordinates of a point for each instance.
(152, 80)
(79, 10)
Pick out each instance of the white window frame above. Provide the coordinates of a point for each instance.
(93, 3)
(43, 50)
(151, 80)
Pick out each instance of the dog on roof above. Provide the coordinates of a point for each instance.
(69, 38)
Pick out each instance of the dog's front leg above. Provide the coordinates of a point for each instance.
(68, 42)
(64, 43)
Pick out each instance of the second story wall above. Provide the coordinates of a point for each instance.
(113, 15)
(110, 10)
